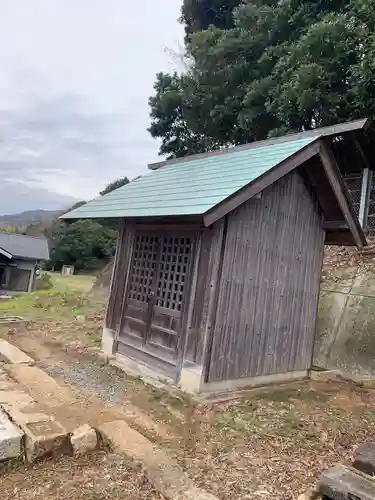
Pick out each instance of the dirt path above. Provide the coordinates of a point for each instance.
(98, 476)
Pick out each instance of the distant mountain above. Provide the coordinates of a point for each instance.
(28, 217)
(16, 197)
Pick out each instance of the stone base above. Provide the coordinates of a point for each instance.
(226, 386)
(10, 439)
(192, 378)
(108, 337)
(44, 436)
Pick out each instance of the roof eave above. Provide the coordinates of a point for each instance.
(6, 254)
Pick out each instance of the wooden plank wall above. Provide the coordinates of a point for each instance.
(203, 293)
(119, 274)
(269, 286)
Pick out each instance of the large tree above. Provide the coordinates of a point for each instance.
(275, 66)
(198, 15)
(115, 185)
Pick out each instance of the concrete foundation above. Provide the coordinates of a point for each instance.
(107, 342)
(192, 378)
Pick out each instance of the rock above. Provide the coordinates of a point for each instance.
(44, 436)
(365, 458)
(10, 439)
(340, 483)
(83, 440)
(309, 495)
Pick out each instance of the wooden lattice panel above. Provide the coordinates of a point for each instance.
(143, 268)
(172, 271)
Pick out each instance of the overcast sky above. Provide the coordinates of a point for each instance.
(74, 85)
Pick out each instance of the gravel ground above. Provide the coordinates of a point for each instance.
(94, 477)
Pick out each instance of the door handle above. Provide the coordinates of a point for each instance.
(150, 295)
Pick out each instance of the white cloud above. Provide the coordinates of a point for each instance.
(74, 85)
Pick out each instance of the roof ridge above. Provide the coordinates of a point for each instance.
(325, 131)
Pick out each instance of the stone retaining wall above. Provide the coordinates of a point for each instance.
(345, 333)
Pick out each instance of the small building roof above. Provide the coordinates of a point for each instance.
(19, 246)
(208, 186)
(191, 187)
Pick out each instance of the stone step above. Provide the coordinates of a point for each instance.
(14, 355)
(365, 458)
(41, 386)
(44, 436)
(164, 473)
(10, 439)
(15, 398)
(340, 483)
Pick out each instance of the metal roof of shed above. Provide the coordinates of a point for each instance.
(23, 247)
(191, 187)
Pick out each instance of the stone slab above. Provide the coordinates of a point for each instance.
(41, 386)
(10, 439)
(364, 459)
(15, 399)
(164, 473)
(83, 440)
(14, 355)
(44, 436)
(340, 483)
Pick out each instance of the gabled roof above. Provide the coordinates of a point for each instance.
(19, 246)
(208, 186)
(191, 187)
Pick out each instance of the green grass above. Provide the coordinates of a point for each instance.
(67, 298)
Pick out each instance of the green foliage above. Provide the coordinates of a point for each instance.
(198, 16)
(77, 205)
(83, 243)
(170, 118)
(44, 282)
(261, 69)
(115, 185)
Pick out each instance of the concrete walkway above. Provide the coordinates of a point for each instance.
(37, 411)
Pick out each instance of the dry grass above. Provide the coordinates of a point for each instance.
(94, 477)
(276, 446)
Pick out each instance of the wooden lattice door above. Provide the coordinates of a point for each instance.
(156, 296)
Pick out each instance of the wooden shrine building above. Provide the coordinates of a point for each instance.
(216, 278)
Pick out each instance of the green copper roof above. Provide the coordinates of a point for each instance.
(190, 187)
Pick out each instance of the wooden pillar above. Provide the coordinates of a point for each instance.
(365, 197)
